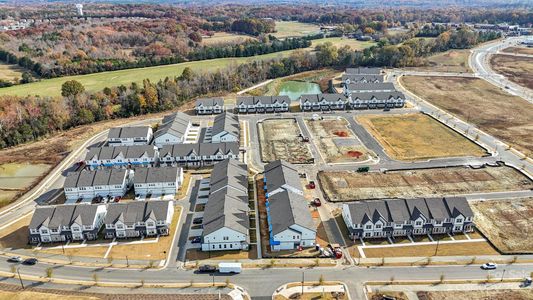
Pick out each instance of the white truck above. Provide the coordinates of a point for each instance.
(229, 268)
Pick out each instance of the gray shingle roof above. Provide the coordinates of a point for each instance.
(226, 122)
(377, 95)
(288, 209)
(175, 124)
(362, 87)
(85, 178)
(108, 152)
(458, 205)
(63, 215)
(279, 173)
(137, 211)
(363, 71)
(229, 172)
(248, 100)
(180, 150)
(129, 132)
(311, 98)
(210, 102)
(361, 78)
(155, 175)
(332, 97)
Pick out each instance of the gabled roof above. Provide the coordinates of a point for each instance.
(458, 205)
(226, 122)
(363, 71)
(311, 98)
(137, 211)
(175, 124)
(201, 149)
(376, 95)
(129, 132)
(371, 86)
(210, 102)
(362, 78)
(229, 172)
(128, 152)
(437, 208)
(279, 173)
(288, 209)
(418, 207)
(223, 210)
(332, 97)
(63, 215)
(155, 175)
(85, 178)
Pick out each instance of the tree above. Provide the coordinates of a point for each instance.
(49, 272)
(71, 88)
(187, 74)
(195, 36)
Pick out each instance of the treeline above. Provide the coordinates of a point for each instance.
(253, 26)
(24, 119)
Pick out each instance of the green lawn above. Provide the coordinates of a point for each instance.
(294, 29)
(341, 42)
(97, 81)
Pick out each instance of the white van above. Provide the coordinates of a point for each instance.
(234, 268)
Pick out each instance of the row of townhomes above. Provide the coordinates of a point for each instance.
(367, 100)
(128, 136)
(198, 155)
(83, 222)
(89, 184)
(364, 71)
(122, 156)
(209, 106)
(289, 220)
(407, 217)
(173, 130)
(226, 222)
(226, 128)
(263, 104)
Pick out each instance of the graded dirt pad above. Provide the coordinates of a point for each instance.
(348, 185)
(379, 295)
(480, 103)
(506, 223)
(516, 68)
(336, 142)
(417, 137)
(449, 61)
(478, 295)
(519, 50)
(279, 139)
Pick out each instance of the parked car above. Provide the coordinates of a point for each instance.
(527, 282)
(317, 202)
(207, 269)
(312, 184)
(196, 240)
(489, 266)
(198, 220)
(14, 259)
(30, 261)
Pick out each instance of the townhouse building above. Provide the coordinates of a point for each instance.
(363, 71)
(376, 100)
(157, 181)
(62, 223)
(226, 222)
(88, 184)
(173, 130)
(209, 106)
(369, 87)
(317, 102)
(289, 220)
(263, 104)
(198, 155)
(138, 219)
(226, 128)
(122, 156)
(407, 217)
(357, 78)
(128, 136)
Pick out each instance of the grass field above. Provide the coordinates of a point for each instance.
(10, 72)
(226, 38)
(506, 223)
(341, 42)
(347, 185)
(519, 50)
(27, 295)
(517, 69)
(286, 29)
(485, 294)
(417, 136)
(480, 103)
(455, 249)
(449, 61)
(97, 81)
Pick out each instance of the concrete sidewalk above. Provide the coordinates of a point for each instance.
(308, 289)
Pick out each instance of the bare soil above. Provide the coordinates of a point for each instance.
(517, 69)
(455, 249)
(336, 142)
(348, 186)
(418, 137)
(279, 139)
(480, 103)
(519, 50)
(506, 223)
(478, 295)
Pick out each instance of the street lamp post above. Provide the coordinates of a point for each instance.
(303, 279)
(503, 274)
(127, 261)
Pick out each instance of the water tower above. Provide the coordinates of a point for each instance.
(79, 8)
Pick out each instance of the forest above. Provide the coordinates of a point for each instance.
(25, 119)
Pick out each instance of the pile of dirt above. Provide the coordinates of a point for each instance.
(341, 133)
(355, 154)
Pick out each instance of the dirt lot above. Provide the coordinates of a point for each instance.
(449, 61)
(515, 68)
(506, 223)
(336, 142)
(417, 137)
(379, 296)
(480, 103)
(279, 139)
(478, 295)
(455, 249)
(519, 50)
(15, 236)
(346, 186)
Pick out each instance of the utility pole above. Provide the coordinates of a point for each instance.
(503, 274)
(127, 261)
(303, 279)
(20, 278)
(436, 248)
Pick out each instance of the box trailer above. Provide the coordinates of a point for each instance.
(234, 268)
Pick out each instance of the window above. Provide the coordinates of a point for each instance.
(231, 246)
(378, 226)
(219, 246)
(225, 246)
(44, 231)
(418, 223)
(368, 227)
(226, 238)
